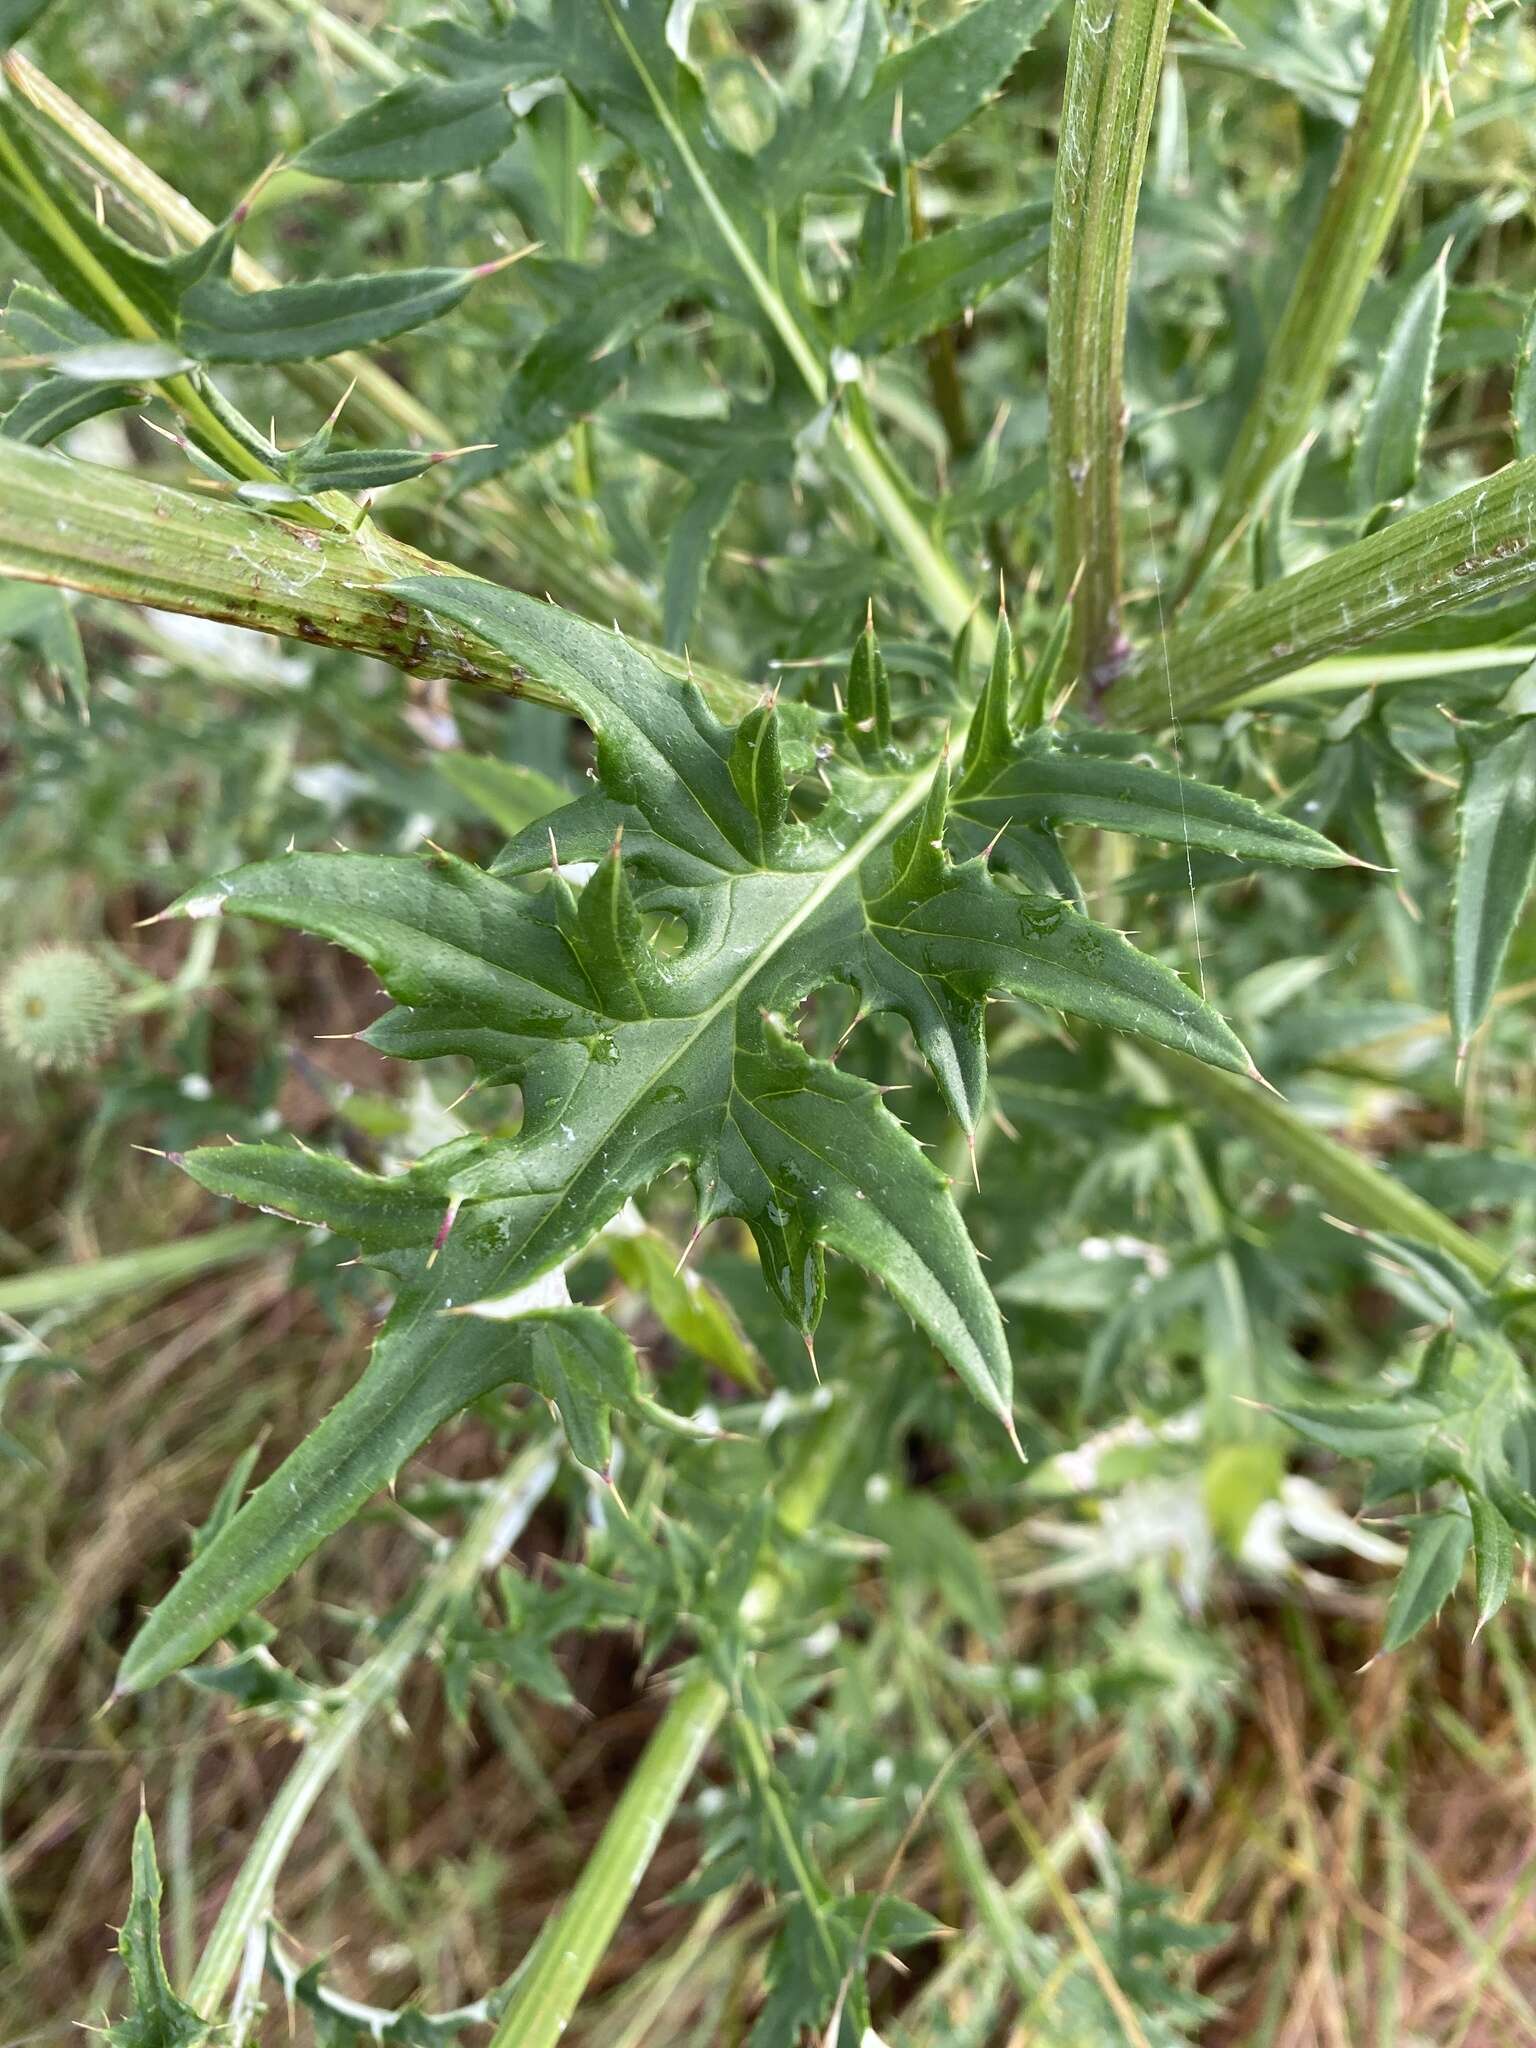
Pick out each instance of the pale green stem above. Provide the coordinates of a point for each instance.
(1477, 545)
(1113, 64)
(568, 1951)
(942, 588)
(347, 40)
(1349, 673)
(93, 1280)
(1355, 1189)
(117, 536)
(1359, 214)
(495, 1525)
(380, 403)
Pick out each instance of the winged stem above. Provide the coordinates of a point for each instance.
(1113, 65)
(1474, 546)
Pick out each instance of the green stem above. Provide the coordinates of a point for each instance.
(76, 1286)
(570, 1948)
(1113, 64)
(1359, 214)
(118, 536)
(1358, 1191)
(381, 405)
(1477, 545)
(495, 1525)
(346, 40)
(942, 588)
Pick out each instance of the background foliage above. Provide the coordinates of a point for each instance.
(1097, 1748)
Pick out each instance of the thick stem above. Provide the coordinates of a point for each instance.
(493, 1528)
(1359, 214)
(1477, 545)
(117, 536)
(380, 406)
(1113, 64)
(570, 1948)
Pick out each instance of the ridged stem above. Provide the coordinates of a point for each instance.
(1360, 211)
(1477, 545)
(117, 536)
(1113, 66)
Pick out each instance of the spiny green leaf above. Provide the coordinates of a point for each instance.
(631, 1061)
(867, 697)
(159, 2018)
(1495, 861)
(299, 322)
(1430, 1575)
(933, 86)
(1392, 435)
(1047, 780)
(1494, 1546)
(425, 128)
(934, 281)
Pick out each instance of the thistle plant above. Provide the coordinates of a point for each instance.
(926, 820)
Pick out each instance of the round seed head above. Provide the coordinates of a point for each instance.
(58, 1008)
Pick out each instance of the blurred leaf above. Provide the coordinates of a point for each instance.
(1430, 1574)
(1495, 861)
(1494, 1544)
(935, 281)
(426, 128)
(1392, 434)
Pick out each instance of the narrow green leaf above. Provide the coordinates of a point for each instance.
(935, 281)
(1495, 861)
(1430, 1575)
(509, 794)
(1523, 401)
(1391, 440)
(1494, 1547)
(159, 2018)
(694, 537)
(122, 362)
(429, 1364)
(426, 128)
(53, 406)
(299, 322)
(1049, 781)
